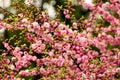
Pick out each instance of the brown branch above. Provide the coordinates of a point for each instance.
(6, 11)
(76, 63)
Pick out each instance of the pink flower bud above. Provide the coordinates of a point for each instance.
(67, 16)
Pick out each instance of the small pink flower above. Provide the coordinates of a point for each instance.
(85, 59)
(12, 67)
(58, 46)
(118, 70)
(51, 53)
(34, 58)
(20, 15)
(60, 61)
(35, 24)
(7, 61)
(39, 62)
(24, 20)
(54, 23)
(33, 72)
(13, 59)
(24, 73)
(79, 60)
(33, 46)
(66, 11)
(7, 46)
(46, 24)
(94, 54)
(43, 71)
(75, 25)
(67, 16)
(89, 30)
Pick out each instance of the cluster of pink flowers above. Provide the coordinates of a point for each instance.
(66, 13)
(51, 50)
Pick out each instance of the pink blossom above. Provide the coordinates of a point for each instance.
(24, 20)
(12, 67)
(24, 73)
(7, 61)
(66, 11)
(46, 24)
(95, 54)
(67, 16)
(7, 46)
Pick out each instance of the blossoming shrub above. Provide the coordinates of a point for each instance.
(36, 47)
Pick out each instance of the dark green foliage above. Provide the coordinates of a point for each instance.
(16, 37)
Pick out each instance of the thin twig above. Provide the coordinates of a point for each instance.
(76, 63)
(8, 12)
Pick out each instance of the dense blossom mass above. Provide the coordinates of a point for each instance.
(47, 49)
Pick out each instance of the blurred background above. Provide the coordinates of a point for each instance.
(49, 5)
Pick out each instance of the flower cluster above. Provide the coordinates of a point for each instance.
(66, 13)
(51, 50)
